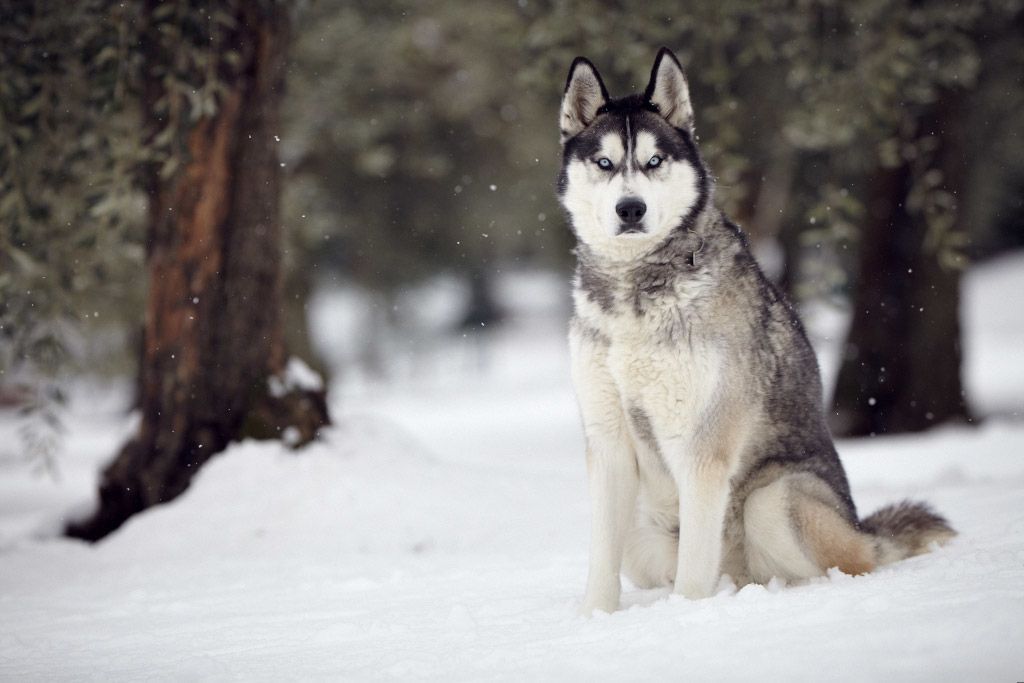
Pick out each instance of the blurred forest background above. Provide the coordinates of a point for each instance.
(178, 179)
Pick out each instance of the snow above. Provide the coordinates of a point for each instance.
(296, 376)
(439, 531)
(991, 310)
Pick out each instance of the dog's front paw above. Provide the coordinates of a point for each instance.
(592, 604)
(694, 590)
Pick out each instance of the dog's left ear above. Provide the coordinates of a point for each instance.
(668, 91)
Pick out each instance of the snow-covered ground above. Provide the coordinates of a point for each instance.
(439, 531)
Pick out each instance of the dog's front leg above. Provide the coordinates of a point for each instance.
(611, 468)
(612, 471)
(703, 499)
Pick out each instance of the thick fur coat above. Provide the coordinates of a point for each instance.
(707, 447)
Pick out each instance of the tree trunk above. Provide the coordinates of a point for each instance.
(901, 367)
(213, 331)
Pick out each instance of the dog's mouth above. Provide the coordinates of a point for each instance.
(631, 229)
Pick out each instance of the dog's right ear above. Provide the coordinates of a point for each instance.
(584, 95)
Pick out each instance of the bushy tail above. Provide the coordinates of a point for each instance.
(906, 529)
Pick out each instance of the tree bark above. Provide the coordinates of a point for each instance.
(213, 334)
(901, 366)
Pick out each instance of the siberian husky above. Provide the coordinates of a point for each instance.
(707, 447)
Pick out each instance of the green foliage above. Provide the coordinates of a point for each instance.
(69, 214)
(65, 211)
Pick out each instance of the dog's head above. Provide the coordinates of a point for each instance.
(631, 173)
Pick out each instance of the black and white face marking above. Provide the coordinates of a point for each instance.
(630, 175)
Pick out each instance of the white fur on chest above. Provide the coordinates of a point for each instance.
(660, 363)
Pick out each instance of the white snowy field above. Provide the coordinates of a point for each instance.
(439, 531)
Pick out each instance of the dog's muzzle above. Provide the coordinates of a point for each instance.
(631, 212)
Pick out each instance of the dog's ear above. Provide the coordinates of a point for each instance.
(584, 95)
(668, 91)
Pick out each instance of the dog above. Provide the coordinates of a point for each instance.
(706, 442)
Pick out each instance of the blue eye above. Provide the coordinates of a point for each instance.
(654, 162)
(605, 163)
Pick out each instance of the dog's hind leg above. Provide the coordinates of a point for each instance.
(794, 530)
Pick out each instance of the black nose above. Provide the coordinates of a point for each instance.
(631, 210)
